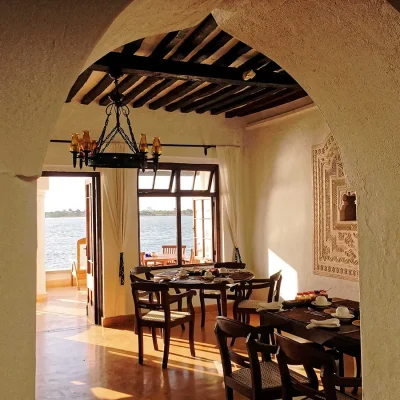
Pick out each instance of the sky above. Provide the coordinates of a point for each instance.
(67, 192)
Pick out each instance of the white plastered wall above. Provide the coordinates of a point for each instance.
(278, 216)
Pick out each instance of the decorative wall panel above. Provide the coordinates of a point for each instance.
(335, 240)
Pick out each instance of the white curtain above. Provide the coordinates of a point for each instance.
(228, 159)
(116, 195)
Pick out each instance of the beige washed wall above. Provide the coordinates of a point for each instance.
(279, 211)
(344, 53)
(175, 127)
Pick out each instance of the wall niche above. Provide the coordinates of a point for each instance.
(335, 215)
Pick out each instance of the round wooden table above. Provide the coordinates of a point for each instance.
(198, 282)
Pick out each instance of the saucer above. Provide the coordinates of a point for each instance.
(356, 322)
(321, 306)
(347, 318)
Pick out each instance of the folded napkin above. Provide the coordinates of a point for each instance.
(274, 305)
(327, 323)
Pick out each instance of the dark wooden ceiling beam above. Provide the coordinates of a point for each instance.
(123, 85)
(220, 40)
(209, 100)
(77, 86)
(232, 54)
(255, 63)
(245, 97)
(205, 91)
(261, 105)
(104, 83)
(142, 86)
(167, 43)
(198, 35)
(188, 71)
(154, 91)
(132, 47)
(174, 94)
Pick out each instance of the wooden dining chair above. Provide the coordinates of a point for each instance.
(216, 294)
(173, 249)
(254, 379)
(160, 315)
(135, 271)
(244, 306)
(311, 356)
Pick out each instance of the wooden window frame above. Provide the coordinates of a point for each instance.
(176, 169)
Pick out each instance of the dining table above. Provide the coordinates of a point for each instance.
(162, 259)
(221, 283)
(346, 338)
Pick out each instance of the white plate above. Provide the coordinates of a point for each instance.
(350, 316)
(324, 306)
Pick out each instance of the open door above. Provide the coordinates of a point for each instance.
(203, 223)
(93, 255)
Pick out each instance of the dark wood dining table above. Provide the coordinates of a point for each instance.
(346, 338)
(198, 282)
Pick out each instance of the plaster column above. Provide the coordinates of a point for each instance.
(42, 187)
(17, 286)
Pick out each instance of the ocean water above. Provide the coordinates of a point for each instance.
(61, 235)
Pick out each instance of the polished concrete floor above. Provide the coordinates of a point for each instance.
(76, 360)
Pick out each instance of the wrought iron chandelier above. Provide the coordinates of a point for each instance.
(92, 152)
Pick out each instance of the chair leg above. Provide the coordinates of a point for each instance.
(219, 307)
(191, 338)
(154, 335)
(140, 339)
(203, 310)
(341, 369)
(228, 393)
(358, 373)
(167, 338)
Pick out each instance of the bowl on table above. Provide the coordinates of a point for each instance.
(321, 302)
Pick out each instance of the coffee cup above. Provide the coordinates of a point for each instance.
(321, 301)
(342, 312)
(183, 273)
(208, 274)
(223, 270)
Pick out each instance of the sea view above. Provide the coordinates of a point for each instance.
(62, 233)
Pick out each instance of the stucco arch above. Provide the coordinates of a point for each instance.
(345, 55)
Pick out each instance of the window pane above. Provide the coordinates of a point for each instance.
(199, 208)
(146, 179)
(202, 180)
(174, 184)
(199, 248)
(207, 208)
(187, 227)
(208, 250)
(158, 232)
(208, 229)
(213, 184)
(199, 227)
(187, 180)
(163, 179)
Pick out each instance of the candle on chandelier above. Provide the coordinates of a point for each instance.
(74, 146)
(143, 146)
(156, 148)
(86, 143)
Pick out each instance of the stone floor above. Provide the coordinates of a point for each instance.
(76, 360)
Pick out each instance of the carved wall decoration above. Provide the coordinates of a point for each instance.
(335, 239)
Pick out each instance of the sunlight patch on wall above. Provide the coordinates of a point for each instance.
(289, 286)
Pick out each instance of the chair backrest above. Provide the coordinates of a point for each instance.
(228, 328)
(155, 290)
(310, 355)
(138, 271)
(169, 248)
(230, 264)
(273, 283)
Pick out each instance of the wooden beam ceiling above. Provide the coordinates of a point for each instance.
(196, 69)
(144, 66)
